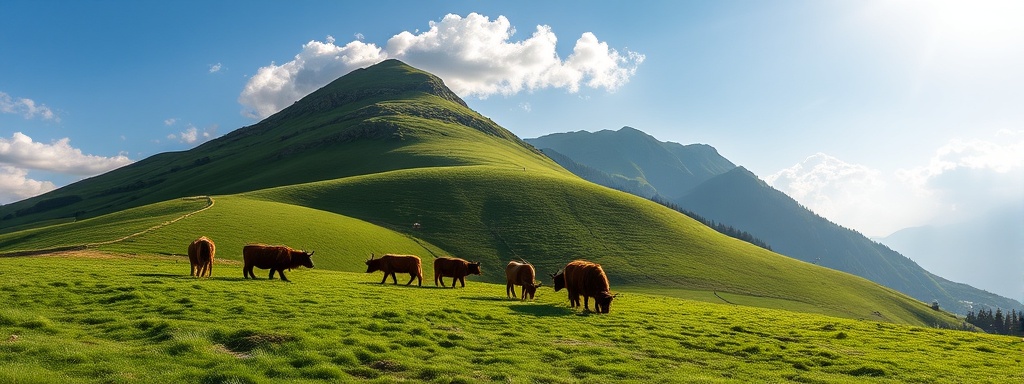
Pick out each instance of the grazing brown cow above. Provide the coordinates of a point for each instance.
(455, 268)
(391, 264)
(584, 278)
(277, 258)
(523, 274)
(200, 256)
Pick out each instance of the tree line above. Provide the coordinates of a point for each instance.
(724, 229)
(997, 322)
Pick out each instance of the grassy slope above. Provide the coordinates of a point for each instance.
(494, 214)
(99, 229)
(142, 319)
(340, 242)
(551, 219)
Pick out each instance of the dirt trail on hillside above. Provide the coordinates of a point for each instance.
(97, 254)
(83, 247)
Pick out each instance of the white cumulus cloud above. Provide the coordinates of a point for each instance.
(851, 195)
(277, 86)
(22, 152)
(474, 55)
(964, 179)
(15, 185)
(974, 176)
(215, 68)
(192, 135)
(26, 107)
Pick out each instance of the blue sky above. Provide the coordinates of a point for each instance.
(878, 115)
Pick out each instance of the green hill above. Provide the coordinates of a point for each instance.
(385, 117)
(348, 170)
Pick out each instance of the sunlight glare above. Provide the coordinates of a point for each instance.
(984, 24)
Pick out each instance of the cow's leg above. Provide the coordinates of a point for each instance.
(384, 279)
(586, 303)
(437, 276)
(462, 281)
(272, 270)
(394, 278)
(283, 278)
(510, 290)
(246, 271)
(412, 276)
(209, 269)
(524, 293)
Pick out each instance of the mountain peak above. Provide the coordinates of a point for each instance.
(388, 78)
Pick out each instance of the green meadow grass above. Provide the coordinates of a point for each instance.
(494, 214)
(339, 242)
(139, 319)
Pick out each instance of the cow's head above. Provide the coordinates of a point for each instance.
(559, 279)
(474, 268)
(603, 302)
(531, 290)
(373, 265)
(302, 258)
(307, 259)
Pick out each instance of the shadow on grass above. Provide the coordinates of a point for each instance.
(168, 275)
(542, 310)
(400, 285)
(489, 298)
(187, 277)
(223, 278)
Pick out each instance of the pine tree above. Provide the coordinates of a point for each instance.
(999, 324)
(1012, 325)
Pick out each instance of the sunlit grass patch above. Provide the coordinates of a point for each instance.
(335, 326)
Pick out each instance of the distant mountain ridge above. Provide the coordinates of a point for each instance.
(669, 169)
(987, 252)
(738, 198)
